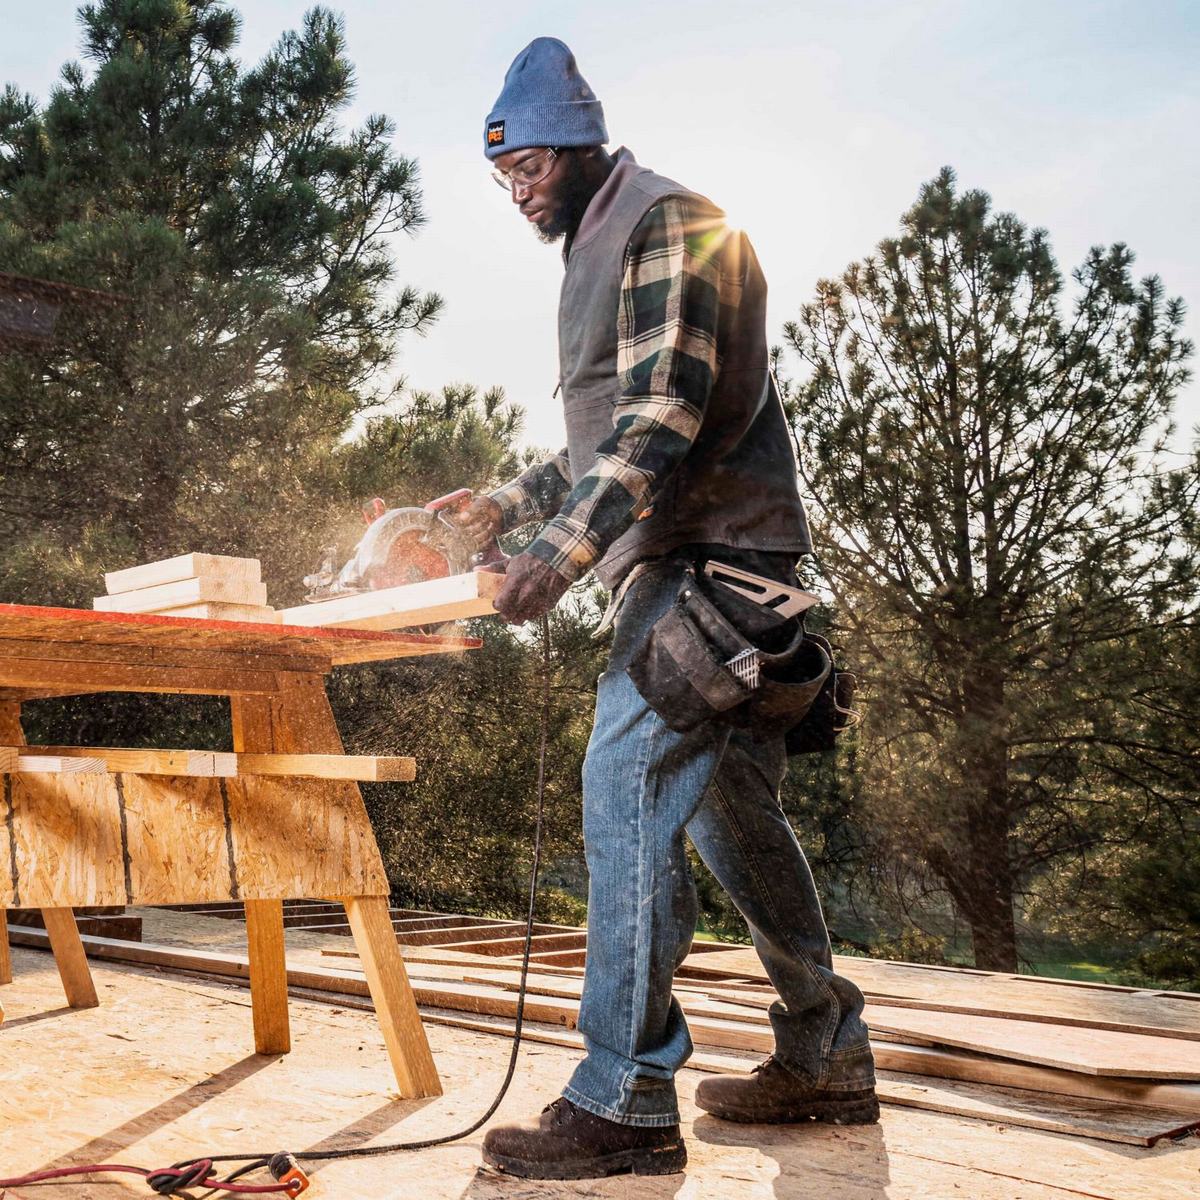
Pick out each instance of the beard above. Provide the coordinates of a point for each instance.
(577, 193)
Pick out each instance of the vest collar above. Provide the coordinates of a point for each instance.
(602, 202)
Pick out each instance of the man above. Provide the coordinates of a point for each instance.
(677, 451)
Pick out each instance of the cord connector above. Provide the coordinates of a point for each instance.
(284, 1167)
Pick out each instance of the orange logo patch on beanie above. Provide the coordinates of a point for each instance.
(495, 133)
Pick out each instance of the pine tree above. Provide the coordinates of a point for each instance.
(1001, 524)
(247, 237)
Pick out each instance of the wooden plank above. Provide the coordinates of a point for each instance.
(450, 599)
(183, 566)
(184, 591)
(1109, 1121)
(258, 613)
(363, 767)
(117, 677)
(201, 763)
(69, 954)
(403, 1033)
(1090, 1051)
(268, 976)
(58, 764)
(8, 759)
(74, 628)
(155, 652)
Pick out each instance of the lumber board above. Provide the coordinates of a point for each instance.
(199, 763)
(433, 600)
(1108, 1120)
(1089, 1051)
(366, 768)
(183, 566)
(58, 764)
(217, 611)
(40, 673)
(184, 591)
(70, 630)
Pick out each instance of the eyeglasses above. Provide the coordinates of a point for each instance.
(529, 171)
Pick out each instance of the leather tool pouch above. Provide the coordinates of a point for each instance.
(683, 670)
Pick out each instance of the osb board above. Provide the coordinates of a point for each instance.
(160, 1072)
(134, 839)
(61, 841)
(178, 850)
(306, 837)
(66, 626)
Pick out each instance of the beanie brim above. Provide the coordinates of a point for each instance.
(560, 123)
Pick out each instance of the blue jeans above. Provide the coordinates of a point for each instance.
(643, 786)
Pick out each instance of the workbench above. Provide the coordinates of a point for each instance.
(121, 837)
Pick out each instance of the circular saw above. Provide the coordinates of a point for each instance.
(404, 545)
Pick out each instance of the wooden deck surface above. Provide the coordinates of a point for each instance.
(158, 1073)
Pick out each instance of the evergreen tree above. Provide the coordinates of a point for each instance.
(1003, 531)
(247, 234)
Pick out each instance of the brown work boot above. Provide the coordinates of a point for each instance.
(772, 1095)
(567, 1142)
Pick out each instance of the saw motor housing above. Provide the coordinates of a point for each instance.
(404, 545)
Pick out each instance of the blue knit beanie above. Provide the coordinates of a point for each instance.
(544, 102)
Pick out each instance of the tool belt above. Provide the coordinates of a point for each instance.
(715, 654)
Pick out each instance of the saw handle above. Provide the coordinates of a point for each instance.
(491, 557)
(456, 500)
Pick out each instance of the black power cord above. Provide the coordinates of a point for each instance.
(197, 1172)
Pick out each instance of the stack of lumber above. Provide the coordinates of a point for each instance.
(214, 587)
(1117, 1064)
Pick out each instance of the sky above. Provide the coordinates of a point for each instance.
(812, 124)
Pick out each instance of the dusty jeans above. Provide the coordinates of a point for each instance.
(643, 786)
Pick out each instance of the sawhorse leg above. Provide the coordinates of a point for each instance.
(395, 1005)
(253, 733)
(268, 976)
(68, 954)
(303, 723)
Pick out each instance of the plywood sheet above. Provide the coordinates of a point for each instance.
(63, 835)
(302, 837)
(178, 849)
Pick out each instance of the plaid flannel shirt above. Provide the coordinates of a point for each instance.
(676, 282)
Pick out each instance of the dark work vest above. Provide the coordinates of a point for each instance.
(737, 484)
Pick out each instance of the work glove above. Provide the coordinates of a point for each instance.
(481, 521)
(531, 588)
